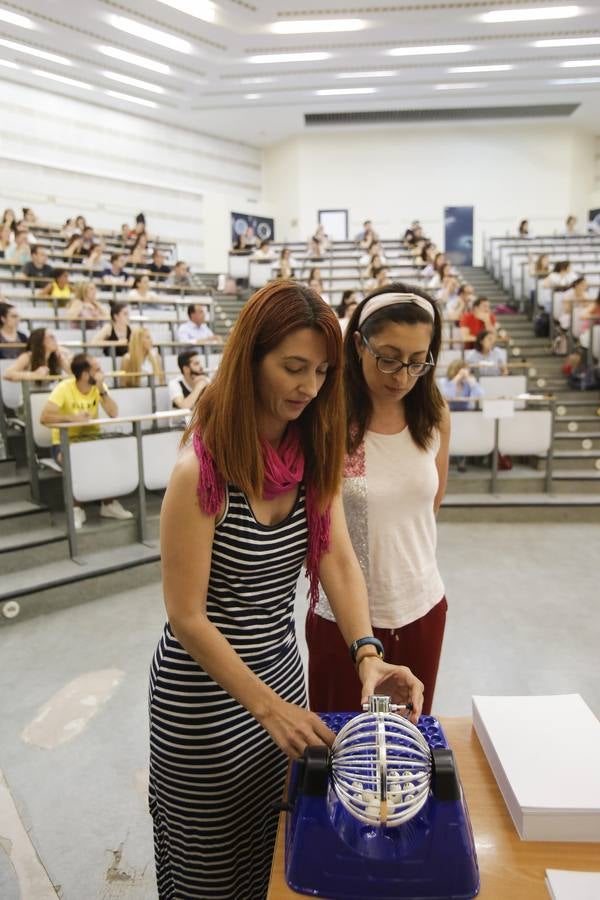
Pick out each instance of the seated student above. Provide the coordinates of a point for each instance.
(287, 264)
(184, 391)
(139, 251)
(539, 266)
(115, 273)
(88, 238)
(94, 259)
(19, 252)
(448, 291)
(442, 269)
(196, 329)
(117, 330)
(572, 302)
(29, 216)
(38, 269)
(80, 225)
(57, 289)
(375, 264)
(348, 304)
(524, 228)
(321, 239)
(476, 319)
(241, 245)
(141, 290)
(460, 388)
(9, 331)
(85, 305)
(41, 357)
(460, 303)
(314, 249)
(485, 358)
(365, 238)
(375, 251)
(158, 266)
(590, 326)
(6, 240)
(571, 226)
(381, 277)
(124, 235)
(264, 251)
(142, 357)
(180, 275)
(561, 275)
(76, 400)
(74, 246)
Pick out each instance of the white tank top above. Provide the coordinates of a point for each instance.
(389, 491)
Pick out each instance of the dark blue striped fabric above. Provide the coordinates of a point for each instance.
(215, 774)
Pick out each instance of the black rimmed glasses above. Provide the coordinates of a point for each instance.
(389, 366)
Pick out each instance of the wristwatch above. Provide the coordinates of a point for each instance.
(362, 642)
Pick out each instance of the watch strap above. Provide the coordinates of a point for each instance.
(362, 642)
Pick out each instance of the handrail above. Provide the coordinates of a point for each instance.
(122, 420)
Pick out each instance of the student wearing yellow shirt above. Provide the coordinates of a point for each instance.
(59, 288)
(76, 400)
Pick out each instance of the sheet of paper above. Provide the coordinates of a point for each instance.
(563, 885)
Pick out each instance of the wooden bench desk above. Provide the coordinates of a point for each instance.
(511, 869)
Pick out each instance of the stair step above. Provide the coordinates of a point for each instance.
(24, 550)
(57, 585)
(22, 515)
(14, 487)
(553, 507)
(8, 467)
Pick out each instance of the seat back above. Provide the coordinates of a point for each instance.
(160, 453)
(41, 433)
(103, 469)
(131, 401)
(12, 392)
(471, 434)
(526, 433)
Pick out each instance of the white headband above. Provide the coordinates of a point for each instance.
(383, 300)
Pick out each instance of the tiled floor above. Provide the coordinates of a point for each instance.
(524, 618)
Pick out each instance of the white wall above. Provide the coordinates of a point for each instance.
(507, 172)
(64, 157)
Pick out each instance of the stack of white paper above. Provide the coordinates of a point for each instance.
(545, 755)
(573, 885)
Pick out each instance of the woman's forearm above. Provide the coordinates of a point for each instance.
(213, 653)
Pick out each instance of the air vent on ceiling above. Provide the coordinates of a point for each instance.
(440, 115)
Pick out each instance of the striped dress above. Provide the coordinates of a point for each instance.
(215, 773)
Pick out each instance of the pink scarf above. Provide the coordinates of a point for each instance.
(284, 469)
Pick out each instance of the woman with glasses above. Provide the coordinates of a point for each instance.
(396, 467)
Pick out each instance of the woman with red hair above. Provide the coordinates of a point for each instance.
(252, 497)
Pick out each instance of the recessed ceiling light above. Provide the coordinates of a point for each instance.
(464, 70)
(9, 64)
(579, 63)
(288, 57)
(200, 9)
(253, 96)
(315, 26)
(433, 49)
(530, 15)
(33, 51)
(458, 86)
(575, 81)
(135, 82)
(137, 29)
(72, 82)
(567, 42)
(142, 61)
(139, 100)
(382, 73)
(333, 92)
(257, 80)
(15, 19)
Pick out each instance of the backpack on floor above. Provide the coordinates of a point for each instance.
(585, 379)
(541, 324)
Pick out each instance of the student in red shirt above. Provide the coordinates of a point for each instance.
(479, 317)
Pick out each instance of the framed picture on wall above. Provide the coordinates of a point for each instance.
(335, 223)
(256, 228)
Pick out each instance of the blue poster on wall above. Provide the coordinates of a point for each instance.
(458, 228)
(260, 228)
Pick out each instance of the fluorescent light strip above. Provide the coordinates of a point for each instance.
(459, 86)
(288, 57)
(530, 15)
(579, 63)
(199, 9)
(253, 96)
(9, 64)
(134, 82)
(33, 51)
(257, 80)
(72, 82)
(14, 19)
(434, 49)
(563, 81)
(156, 36)
(466, 70)
(130, 99)
(142, 61)
(314, 26)
(567, 42)
(383, 73)
(335, 92)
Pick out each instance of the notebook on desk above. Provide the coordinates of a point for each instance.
(545, 755)
(563, 885)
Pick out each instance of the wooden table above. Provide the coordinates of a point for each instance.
(511, 869)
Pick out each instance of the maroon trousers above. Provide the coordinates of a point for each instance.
(334, 686)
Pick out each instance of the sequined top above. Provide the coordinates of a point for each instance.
(389, 491)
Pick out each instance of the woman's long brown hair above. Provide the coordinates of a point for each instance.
(424, 404)
(225, 413)
(35, 346)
